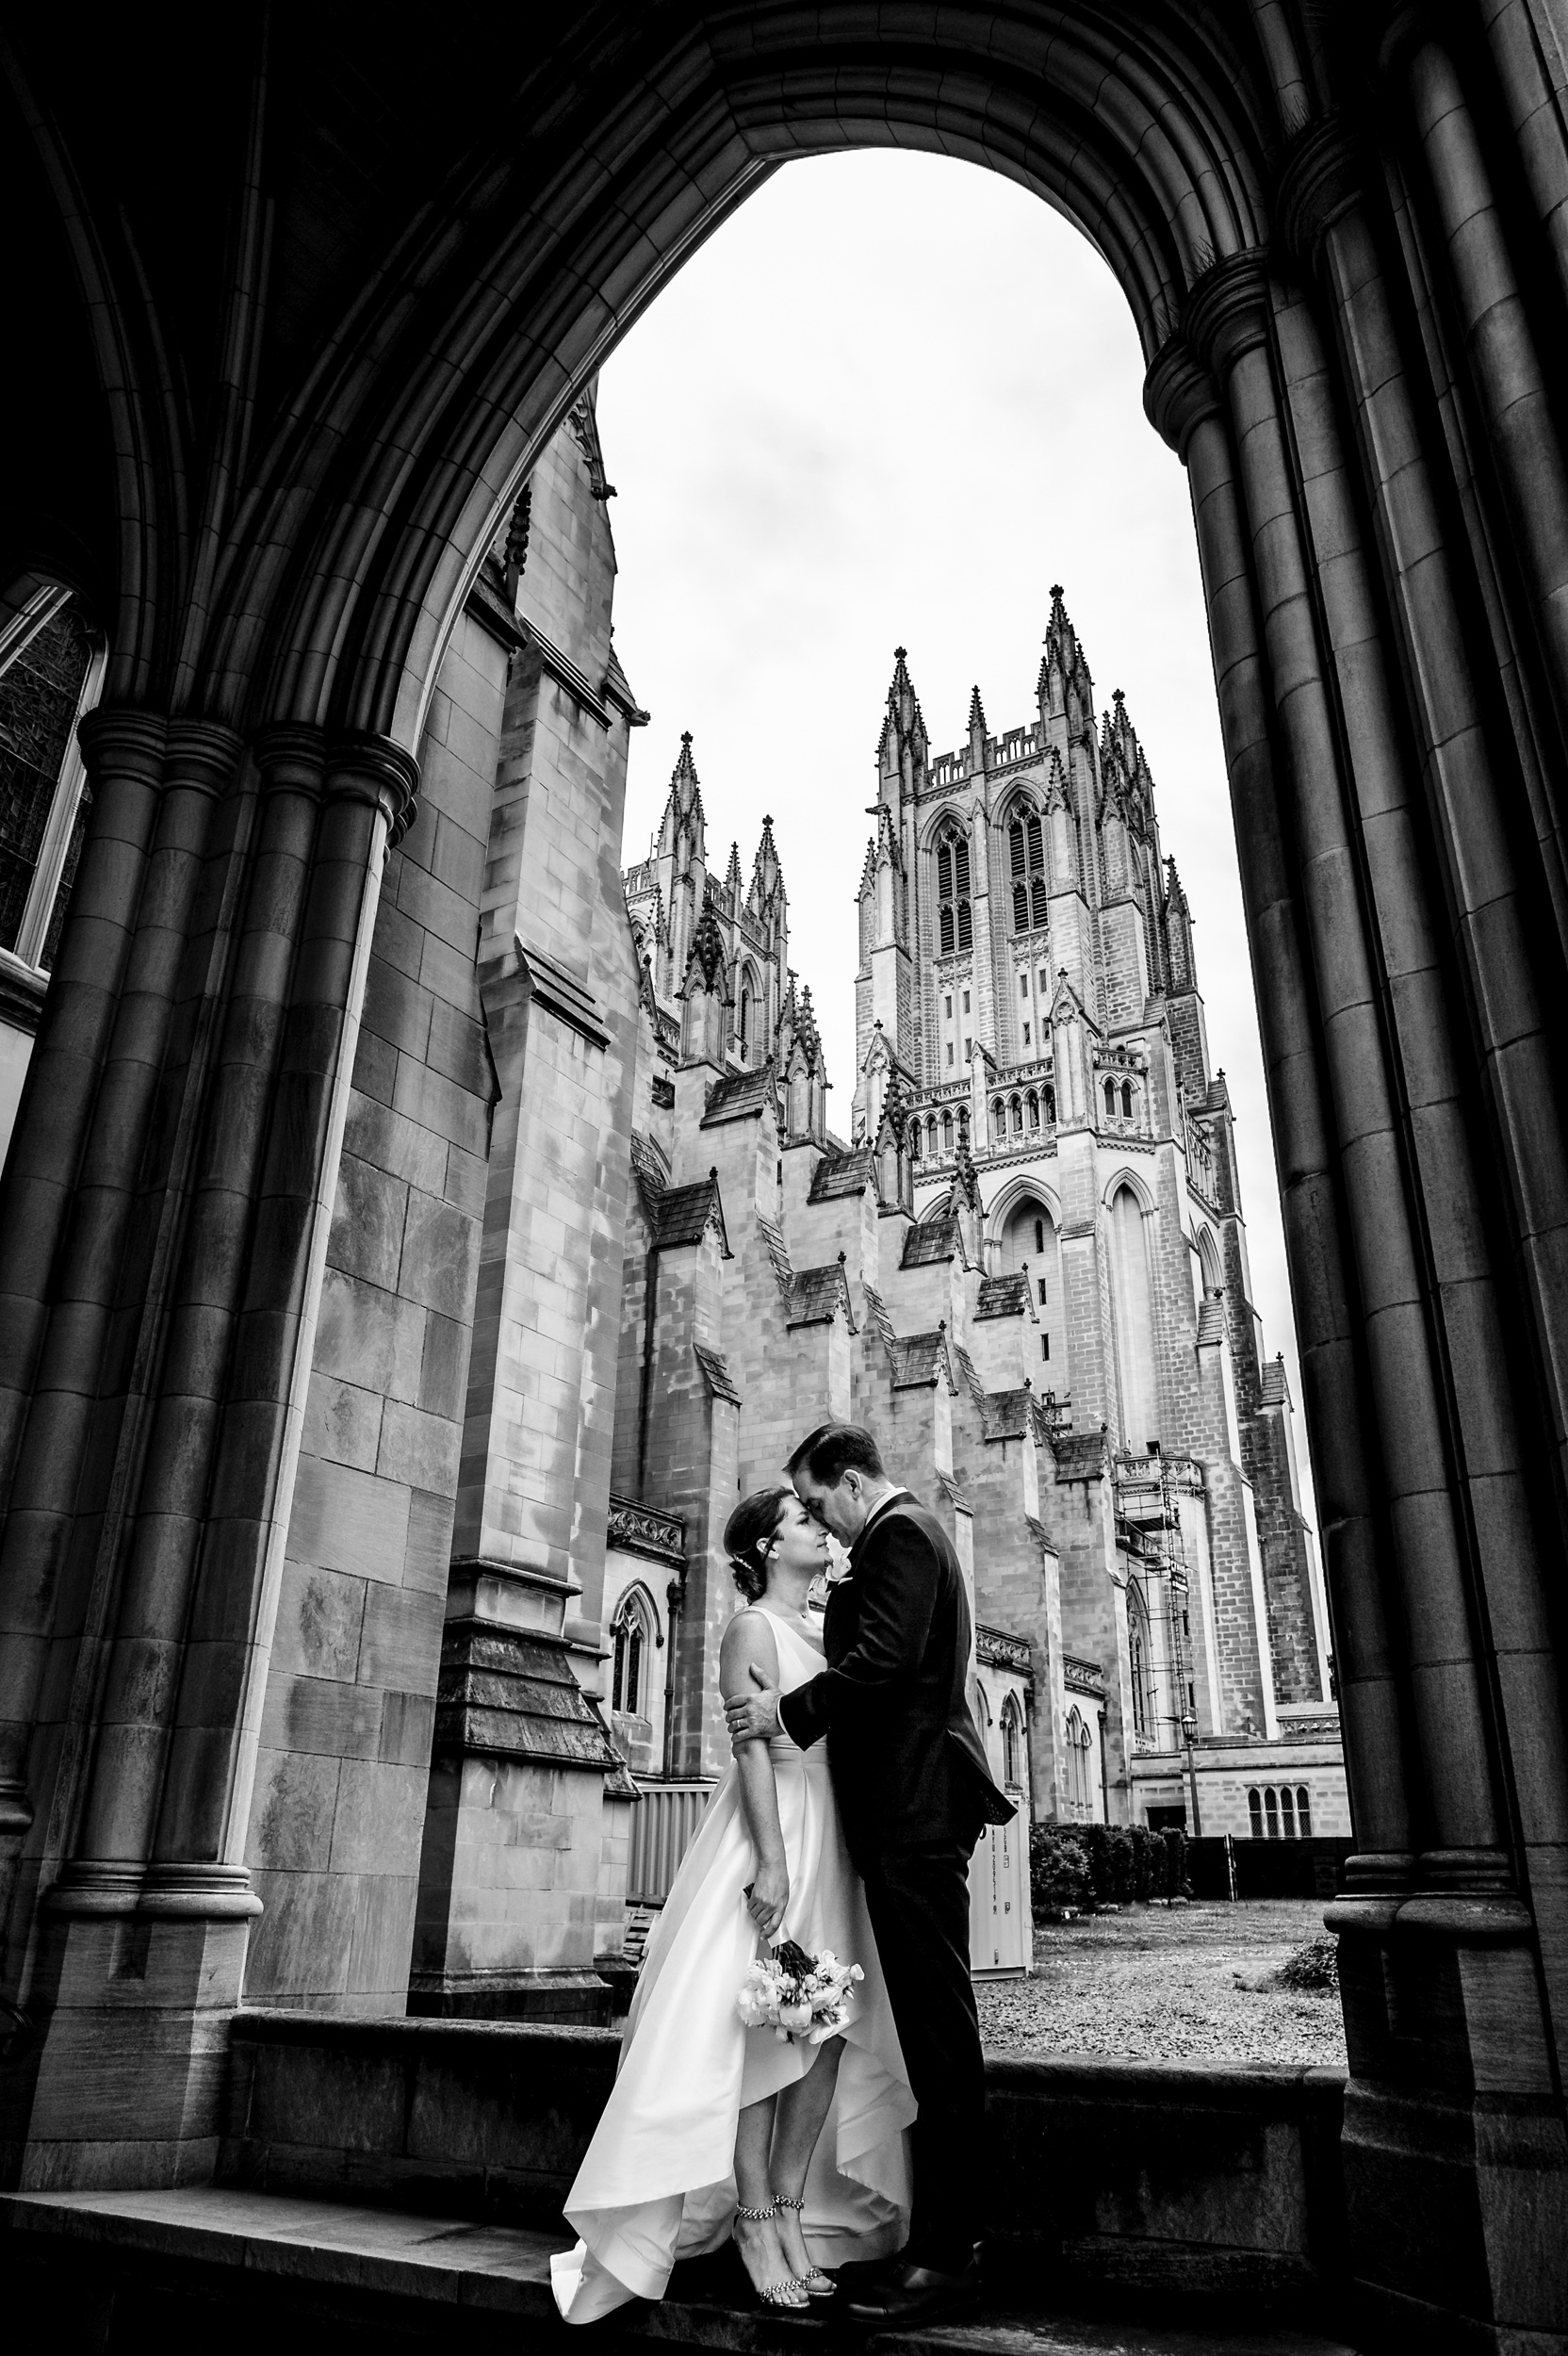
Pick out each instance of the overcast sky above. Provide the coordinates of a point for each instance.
(890, 402)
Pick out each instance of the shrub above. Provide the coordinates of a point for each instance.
(1170, 1873)
(1143, 1863)
(1058, 1868)
(1312, 1970)
(1119, 1846)
(1096, 1842)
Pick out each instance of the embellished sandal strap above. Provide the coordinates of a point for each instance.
(777, 2294)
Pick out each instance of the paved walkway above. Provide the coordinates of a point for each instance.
(458, 2275)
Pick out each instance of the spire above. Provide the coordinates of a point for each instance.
(1178, 932)
(868, 872)
(683, 812)
(732, 879)
(708, 943)
(903, 729)
(767, 876)
(807, 1035)
(976, 711)
(1063, 662)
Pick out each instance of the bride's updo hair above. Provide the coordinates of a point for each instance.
(748, 1529)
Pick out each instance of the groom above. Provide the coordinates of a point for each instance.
(914, 1791)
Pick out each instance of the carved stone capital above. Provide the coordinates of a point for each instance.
(375, 770)
(1228, 311)
(292, 758)
(1321, 182)
(119, 742)
(202, 755)
(1177, 394)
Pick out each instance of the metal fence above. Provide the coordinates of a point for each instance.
(662, 1825)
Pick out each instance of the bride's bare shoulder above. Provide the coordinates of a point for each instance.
(748, 1642)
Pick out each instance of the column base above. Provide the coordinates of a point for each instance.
(1455, 2145)
(125, 2088)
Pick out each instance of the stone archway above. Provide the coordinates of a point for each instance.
(1344, 256)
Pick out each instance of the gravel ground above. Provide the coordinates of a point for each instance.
(1160, 1984)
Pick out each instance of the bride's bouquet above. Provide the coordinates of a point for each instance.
(798, 1995)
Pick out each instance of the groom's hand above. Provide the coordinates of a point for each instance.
(755, 1718)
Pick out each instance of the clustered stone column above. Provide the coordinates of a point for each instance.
(194, 1082)
(1388, 923)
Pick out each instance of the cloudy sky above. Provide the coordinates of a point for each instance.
(890, 402)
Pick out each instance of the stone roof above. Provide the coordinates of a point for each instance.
(779, 1251)
(919, 1360)
(951, 1492)
(1274, 1388)
(971, 1381)
(716, 1374)
(1082, 1456)
(1008, 1414)
(683, 1211)
(816, 1293)
(512, 1694)
(837, 1174)
(1211, 1321)
(1003, 1296)
(740, 1093)
(934, 1239)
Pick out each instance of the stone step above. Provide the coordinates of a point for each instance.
(121, 2263)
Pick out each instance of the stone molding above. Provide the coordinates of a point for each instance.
(116, 741)
(161, 1893)
(373, 769)
(1177, 394)
(551, 987)
(1227, 314)
(639, 1529)
(1321, 183)
(565, 673)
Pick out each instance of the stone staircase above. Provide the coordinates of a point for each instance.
(117, 2272)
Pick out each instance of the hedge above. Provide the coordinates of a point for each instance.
(1076, 1865)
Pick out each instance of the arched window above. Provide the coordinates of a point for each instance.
(629, 1640)
(1034, 1110)
(955, 922)
(931, 1138)
(746, 1023)
(1110, 1099)
(1137, 1664)
(1080, 1802)
(914, 1140)
(1051, 1107)
(1132, 1308)
(45, 796)
(1288, 1811)
(1127, 1100)
(1271, 1811)
(1303, 1811)
(999, 1120)
(1027, 863)
(1039, 1235)
(947, 1133)
(1015, 1111)
(1254, 1810)
(963, 1126)
(1012, 1745)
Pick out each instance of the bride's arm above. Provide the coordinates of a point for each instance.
(748, 1642)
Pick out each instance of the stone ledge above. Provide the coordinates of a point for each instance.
(1204, 2184)
(274, 2261)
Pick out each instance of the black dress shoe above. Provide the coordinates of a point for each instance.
(914, 2294)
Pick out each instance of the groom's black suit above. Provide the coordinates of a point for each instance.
(913, 1790)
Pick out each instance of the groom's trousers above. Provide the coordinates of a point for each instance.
(918, 1899)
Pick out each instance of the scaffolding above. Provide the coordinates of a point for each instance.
(1151, 1531)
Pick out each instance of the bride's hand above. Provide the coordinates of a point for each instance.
(768, 1897)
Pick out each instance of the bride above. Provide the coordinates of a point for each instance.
(713, 2131)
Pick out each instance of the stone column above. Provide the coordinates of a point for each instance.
(1183, 402)
(143, 1956)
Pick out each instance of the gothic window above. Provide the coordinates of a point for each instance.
(1034, 1110)
(1288, 1811)
(1254, 1810)
(44, 689)
(1045, 1345)
(1127, 1100)
(955, 922)
(1110, 1099)
(931, 1138)
(1040, 1237)
(745, 1023)
(1051, 1105)
(1023, 986)
(1137, 1664)
(1026, 1035)
(1016, 1109)
(1133, 1306)
(914, 1140)
(950, 1051)
(1271, 1811)
(1012, 1745)
(1045, 983)
(947, 1133)
(1303, 1811)
(630, 1642)
(965, 1001)
(1080, 1804)
(963, 1128)
(1044, 1297)
(999, 1120)
(947, 1005)
(968, 1049)
(1027, 863)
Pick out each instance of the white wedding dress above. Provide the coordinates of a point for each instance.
(656, 2183)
